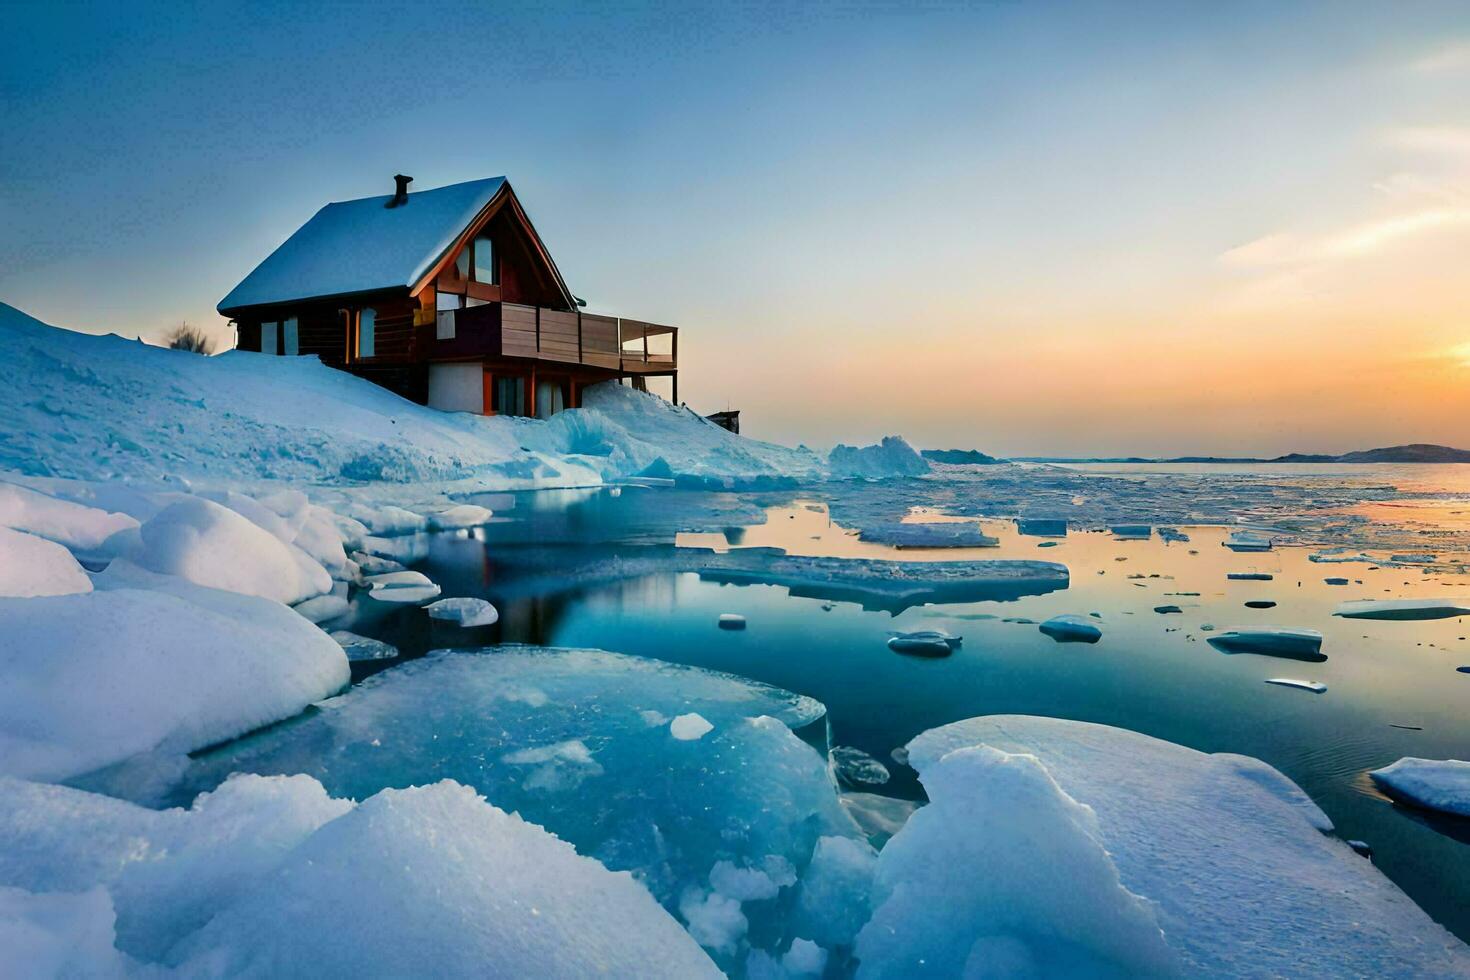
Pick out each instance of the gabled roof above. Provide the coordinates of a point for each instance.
(362, 246)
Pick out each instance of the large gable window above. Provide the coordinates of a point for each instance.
(269, 331)
(366, 325)
(487, 270)
(290, 338)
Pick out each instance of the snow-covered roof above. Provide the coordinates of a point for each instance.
(359, 246)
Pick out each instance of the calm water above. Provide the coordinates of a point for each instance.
(1393, 689)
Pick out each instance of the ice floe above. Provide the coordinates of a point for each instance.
(1316, 687)
(466, 612)
(1071, 628)
(946, 534)
(1434, 784)
(1403, 609)
(1247, 541)
(541, 732)
(924, 643)
(856, 768)
(1273, 641)
(731, 621)
(1222, 858)
(407, 586)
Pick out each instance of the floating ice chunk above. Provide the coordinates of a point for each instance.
(467, 612)
(1316, 687)
(1337, 555)
(1071, 628)
(211, 545)
(925, 643)
(857, 768)
(76, 526)
(363, 647)
(32, 566)
(1132, 532)
(893, 457)
(690, 727)
(1241, 879)
(1250, 576)
(1260, 603)
(1167, 610)
(1273, 641)
(460, 516)
(1335, 580)
(1434, 784)
(408, 586)
(665, 808)
(1003, 852)
(948, 534)
(1413, 559)
(95, 678)
(1403, 609)
(388, 520)
(747, 884)
(1247, 541)
(731, 621)
(391, 896)
(714, 920)
(1173, 534)
(1042, 527)
(323, 608)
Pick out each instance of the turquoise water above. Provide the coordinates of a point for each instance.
(1393, 688)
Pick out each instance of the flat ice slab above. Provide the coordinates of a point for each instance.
(1316, 687)
(1403, 609)
(1247, 541)
(1272, 641)
(363, 647)
(1227, 852)
(1434, 784)
(944, 534)
(1071, 628)
(466, 612)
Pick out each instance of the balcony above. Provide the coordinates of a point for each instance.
(628, 347)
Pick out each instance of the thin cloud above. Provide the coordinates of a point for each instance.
(1448, 58)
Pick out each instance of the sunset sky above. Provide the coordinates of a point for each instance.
(1029, 228)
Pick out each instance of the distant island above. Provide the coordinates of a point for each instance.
(1418, 452)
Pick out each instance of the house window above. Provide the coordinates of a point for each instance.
(268, 337)
(366, 324)
(510, 396)
(486, 269)
(291, 342)
(462, 263)
(447, 301)
(549, 399)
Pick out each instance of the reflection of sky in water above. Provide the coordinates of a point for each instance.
(1392, 686)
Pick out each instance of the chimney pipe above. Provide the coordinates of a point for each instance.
(400, 192)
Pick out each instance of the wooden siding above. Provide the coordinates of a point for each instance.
(600, 341)
(559, 338)
(518, 333)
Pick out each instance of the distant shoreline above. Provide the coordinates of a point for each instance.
(1413, 453)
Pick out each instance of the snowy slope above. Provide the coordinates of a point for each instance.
(81, 406)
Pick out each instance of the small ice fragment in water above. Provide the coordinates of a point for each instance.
(1132, 531)
(1247, 541)
(1362, 847)
(1260, 604)
(1335, 580)
(1071, 629)
(1403, 609)
(401, 587)
(690, 728)
(1434, 784)
(363, 647)
(1417, 559)
(923, 643)
(732, 621)
(1042, 527)
(1250, 576)
(467, 612)
(1173, 534)
(1166, 610)
(1273, 641)
(857, 767)
(1316, 687)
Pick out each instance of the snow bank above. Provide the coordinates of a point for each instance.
(431, 880)
(1003, 868)
(76, 526)
(1239, 875)
(59, 935)
(148, 663)
(1430, 783)
(210, 544)
(889, 458)
(542, 732)
(32, 566)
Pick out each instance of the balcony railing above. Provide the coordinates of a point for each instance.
(591, 339)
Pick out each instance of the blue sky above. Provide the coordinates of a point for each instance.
(1027, 227)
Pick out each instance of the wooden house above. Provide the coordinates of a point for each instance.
(447, 297)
